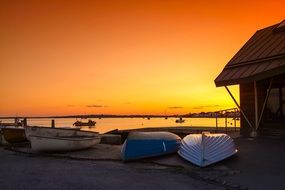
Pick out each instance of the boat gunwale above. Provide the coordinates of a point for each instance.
(69, 138)
(61, 128)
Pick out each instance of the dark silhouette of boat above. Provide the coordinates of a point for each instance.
(180, 120)
(81, 123)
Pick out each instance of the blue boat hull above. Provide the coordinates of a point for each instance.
(143, 148)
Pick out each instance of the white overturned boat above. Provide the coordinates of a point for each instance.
(70, 143)
(54, 132)
(205, 149)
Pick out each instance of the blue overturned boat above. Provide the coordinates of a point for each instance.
(149, 144)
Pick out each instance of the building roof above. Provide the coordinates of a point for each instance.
(262, 56)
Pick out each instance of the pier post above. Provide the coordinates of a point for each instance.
(24, 122)
(16, 121)
(226, 123)
(216, 122)
(52, 123)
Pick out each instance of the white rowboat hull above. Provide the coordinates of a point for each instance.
(56, 132)
(54, 144)
(205, 149)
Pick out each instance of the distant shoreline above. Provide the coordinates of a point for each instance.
(119, 116)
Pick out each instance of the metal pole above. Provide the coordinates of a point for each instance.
(265, 101)
(239, 108)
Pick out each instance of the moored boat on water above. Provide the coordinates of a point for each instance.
(205, 149)
(180, 120)
(89, 123)
(149, 144)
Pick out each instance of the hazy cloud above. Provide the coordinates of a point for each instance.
(175, 107)
(206, 106)
(70, 105)
(96, 106)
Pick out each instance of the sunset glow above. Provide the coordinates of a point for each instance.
(122, 57)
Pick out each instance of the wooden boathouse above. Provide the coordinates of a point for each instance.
(259, 70)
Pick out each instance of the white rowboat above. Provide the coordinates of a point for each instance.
(55, 132)
(205, 149)
(70, 143)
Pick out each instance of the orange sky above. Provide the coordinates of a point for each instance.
(122, 57)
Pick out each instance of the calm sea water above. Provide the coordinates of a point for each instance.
(107, 124)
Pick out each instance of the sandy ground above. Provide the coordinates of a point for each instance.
(259, 164)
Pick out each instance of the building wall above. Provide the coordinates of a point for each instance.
(247, 105)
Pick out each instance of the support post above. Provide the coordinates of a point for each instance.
(52, 123)
(255, 105)
(216, 122)
(239, 107)
(16, 121)
(226, 122)
(265, 101)
(235, 123)
(24, 123)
